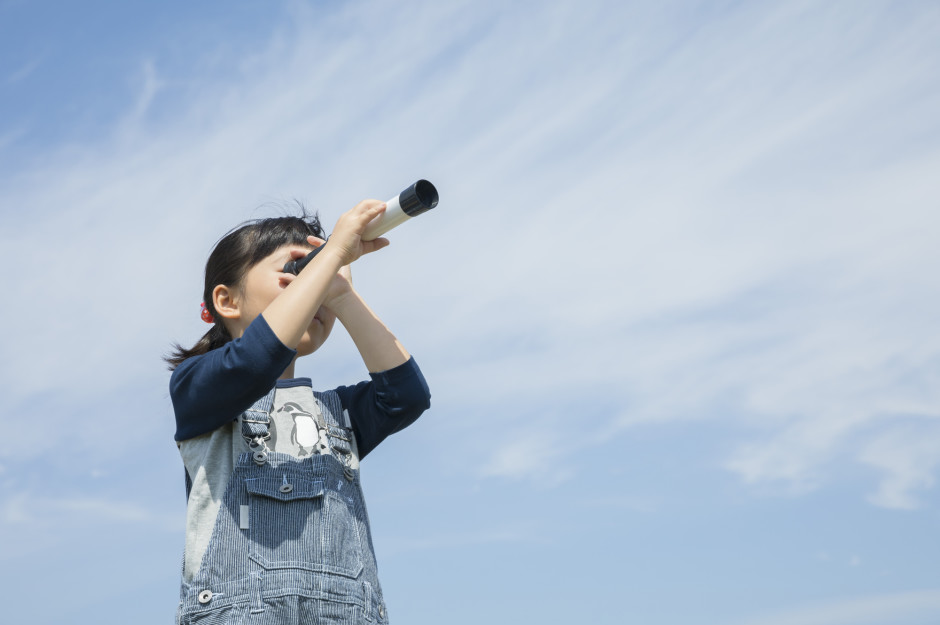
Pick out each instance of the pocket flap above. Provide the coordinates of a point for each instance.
(285, 488)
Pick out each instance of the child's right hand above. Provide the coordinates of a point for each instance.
(346, 240)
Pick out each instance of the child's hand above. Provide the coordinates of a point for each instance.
(346, 240)
(340, 285)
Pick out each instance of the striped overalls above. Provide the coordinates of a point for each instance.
(291, 542)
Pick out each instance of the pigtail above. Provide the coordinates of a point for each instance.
(216, 337)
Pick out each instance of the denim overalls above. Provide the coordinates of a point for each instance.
(291, 543)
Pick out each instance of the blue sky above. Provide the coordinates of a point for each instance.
(677, 307)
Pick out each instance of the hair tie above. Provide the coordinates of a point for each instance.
(205, 314)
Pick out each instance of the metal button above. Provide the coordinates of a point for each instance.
(260, 457)
(286, 488)
(205, 596)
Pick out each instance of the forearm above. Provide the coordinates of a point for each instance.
(290, 314)
(379, 348)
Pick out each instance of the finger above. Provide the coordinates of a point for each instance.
(372, 214)
(315, 241)
(369, 204)
(298, 252)
(374, 245)
(371, 208)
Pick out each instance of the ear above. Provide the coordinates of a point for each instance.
(226, 302)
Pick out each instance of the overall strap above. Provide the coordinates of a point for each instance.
(339, 429)
(332, 409)
(255, 426)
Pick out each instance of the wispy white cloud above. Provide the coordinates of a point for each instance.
(530, 456)
(908, 457)
(653, 214)
(24, 71)
(692, 219)
(150, 86)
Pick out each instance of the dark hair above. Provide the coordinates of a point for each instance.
(235, 253)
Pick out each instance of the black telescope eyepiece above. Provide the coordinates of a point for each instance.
(418, 198)
(294, 266)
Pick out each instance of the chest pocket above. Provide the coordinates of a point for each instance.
(296, 523)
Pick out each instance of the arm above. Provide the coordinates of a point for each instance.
(379, 348)
(387, 403)
(291, 312)
(397, 393)
(211, 390)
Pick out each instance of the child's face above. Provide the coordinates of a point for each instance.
(264, 282)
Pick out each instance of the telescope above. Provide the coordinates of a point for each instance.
(417, 199)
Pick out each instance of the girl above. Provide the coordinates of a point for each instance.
(276, 524)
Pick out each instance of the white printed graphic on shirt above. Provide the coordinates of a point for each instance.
(304, 433)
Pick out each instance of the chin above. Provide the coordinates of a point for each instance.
(307, 346)
(311, 341)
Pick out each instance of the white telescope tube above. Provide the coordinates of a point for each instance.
(416, 199)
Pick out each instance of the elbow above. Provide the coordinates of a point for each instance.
(423, 394)
(420, 404)
(425, 402)
(413, 409)
(419, 400)
(402, 410)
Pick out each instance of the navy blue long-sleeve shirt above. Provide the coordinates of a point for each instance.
(211, 390)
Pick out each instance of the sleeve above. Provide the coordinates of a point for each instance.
(389, 402)
(211, 390)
